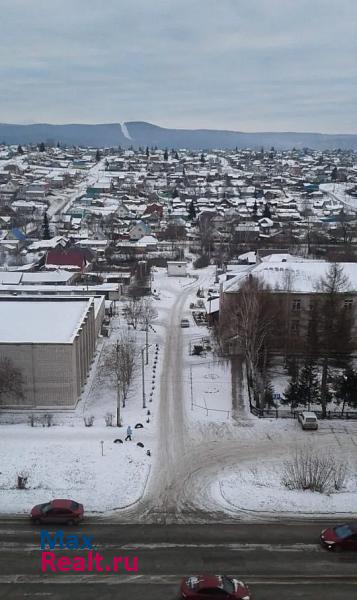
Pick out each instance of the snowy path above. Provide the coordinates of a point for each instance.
(194, 459)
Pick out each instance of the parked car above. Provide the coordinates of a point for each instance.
(57, 511)
(308, 420)
(185, 323)
(341, 537)
(214, 586)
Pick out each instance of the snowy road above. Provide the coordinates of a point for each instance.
(195, 459)
(276, 561)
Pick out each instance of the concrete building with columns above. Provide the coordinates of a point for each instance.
(51, 341)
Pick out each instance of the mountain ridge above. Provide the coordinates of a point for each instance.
(143, 133)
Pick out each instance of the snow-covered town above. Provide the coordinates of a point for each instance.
(121, 289)
(178, 300)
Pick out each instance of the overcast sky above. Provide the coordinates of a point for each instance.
(248, 65)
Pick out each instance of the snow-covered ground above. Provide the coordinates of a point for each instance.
(67, 462)
(208, 461)
(257, 487)
(337, 191)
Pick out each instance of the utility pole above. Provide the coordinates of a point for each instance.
(143, 375)
(118, 390)
(191, 388)
(147, 341)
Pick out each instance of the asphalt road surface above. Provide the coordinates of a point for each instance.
(278, 561)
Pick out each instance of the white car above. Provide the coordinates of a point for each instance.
(308, 420)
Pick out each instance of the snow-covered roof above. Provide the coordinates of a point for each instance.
(10, 278)
(251, 257)
(147, 240)
(305, 276)
(34, 321)
(44, 244)
(58, 276)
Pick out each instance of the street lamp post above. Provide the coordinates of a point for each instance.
(119, 424)
(147, 341)
(143, 375)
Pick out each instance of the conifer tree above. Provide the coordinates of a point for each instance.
(266, 212)
(308, 385)
(46, 228)
(191, 211)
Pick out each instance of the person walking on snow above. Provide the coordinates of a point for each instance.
(129, 433)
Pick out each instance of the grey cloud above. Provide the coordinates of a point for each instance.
(240, 64)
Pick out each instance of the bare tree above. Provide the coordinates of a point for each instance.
(11, 379)
(133, 311)
(251, 321)
(122, 362)
(148, 312)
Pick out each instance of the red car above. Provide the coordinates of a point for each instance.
(341, 537)
(57, 511)
(203, 587)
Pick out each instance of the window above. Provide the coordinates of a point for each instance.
(348, 303)
(296, 304)
(295, 326)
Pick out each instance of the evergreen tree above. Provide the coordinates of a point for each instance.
(266, 212)
(46, 228)
(308, 385)
(19, 149)
(166, 154)
(269, 395)
(41, 147)
(255, 209)
(147, 152)
(334, 174)
(346, 389)
(202, 159)
(191, 211)
(97, 155)
(176, 156)
(292, 394)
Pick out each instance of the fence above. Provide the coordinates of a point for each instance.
(285, 413)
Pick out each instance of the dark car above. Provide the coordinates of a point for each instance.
(341, 537)
(58, 511)
(214, 586)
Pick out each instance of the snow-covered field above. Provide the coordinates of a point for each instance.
(67, 462)
(257, 487)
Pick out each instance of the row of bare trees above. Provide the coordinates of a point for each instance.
(122, 358)
(140, 311)
(259, 322)
(121, 362)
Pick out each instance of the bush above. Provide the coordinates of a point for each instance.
(88, 421)
(109, 417)
(309, 470)
(202, 261)
(47, 420)
(22, 479)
